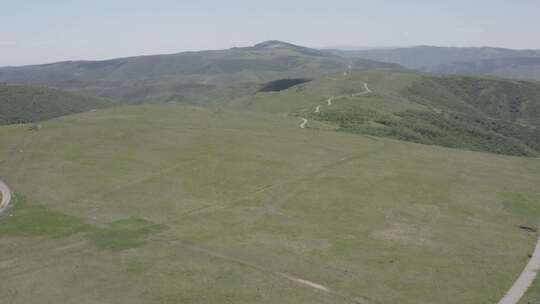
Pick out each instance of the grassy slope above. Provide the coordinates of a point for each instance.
(515, 101)
(461, 112)
(20, 104)
(215, 204)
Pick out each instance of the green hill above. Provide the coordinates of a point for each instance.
(480, 114)
(205, 77)
(177, 204)
(22, 104)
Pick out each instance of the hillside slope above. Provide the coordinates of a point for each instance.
(175, 204)
(206, 76)
(481, 114)
(21, 104)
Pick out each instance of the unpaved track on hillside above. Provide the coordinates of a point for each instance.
(525, 280)
(6, 196)
(304, 123)
(367, 88)
(329, 102)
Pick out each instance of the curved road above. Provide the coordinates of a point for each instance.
(6, 196)
(525, 279)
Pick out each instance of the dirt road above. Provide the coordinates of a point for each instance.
(304, 123)
(330, 101)
(367, 88)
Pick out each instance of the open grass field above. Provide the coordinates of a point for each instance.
(178, 204)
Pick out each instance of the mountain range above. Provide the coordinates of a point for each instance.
(190, 76)
(489, 61)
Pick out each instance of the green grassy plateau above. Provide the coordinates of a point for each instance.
(179, 204)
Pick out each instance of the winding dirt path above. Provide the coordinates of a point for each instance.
(525, 280)
(367, 88)
(6, 196)
(304, 123)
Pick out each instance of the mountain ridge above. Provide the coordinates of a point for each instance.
(187, 76)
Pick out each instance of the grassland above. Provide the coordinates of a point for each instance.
(177, 204)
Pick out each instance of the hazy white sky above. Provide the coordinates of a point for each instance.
(39, 31)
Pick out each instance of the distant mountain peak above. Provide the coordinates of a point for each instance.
(274, 44)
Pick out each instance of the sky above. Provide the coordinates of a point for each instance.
(42, 31)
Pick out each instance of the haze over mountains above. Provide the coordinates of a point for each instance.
(519, 64)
